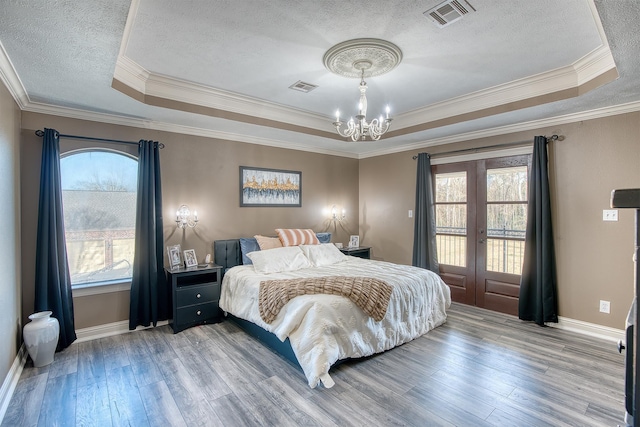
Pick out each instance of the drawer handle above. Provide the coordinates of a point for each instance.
(198, 312)
(198, 296)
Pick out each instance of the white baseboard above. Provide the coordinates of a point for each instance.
(590, 329)
(11, 380)
(108, 329)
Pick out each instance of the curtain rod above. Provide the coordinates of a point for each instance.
(89, 138)
(507, 144)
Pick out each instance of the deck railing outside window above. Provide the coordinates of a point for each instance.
(505, 248)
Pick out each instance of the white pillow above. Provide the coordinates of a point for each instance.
(289, 258)
(323, 254)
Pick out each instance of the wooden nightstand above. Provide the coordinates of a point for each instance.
(196, 292)
(361, 252)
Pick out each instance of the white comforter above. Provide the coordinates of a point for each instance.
(323, 329)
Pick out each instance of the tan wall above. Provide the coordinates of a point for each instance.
(10, 319)
(593, 257)
(204, 174)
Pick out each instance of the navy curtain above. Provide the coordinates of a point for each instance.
(53, 283)
(150, 294)
(425, 253)
(538, 289)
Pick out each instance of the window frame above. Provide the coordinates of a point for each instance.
(105, 286)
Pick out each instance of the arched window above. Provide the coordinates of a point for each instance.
(99, 202)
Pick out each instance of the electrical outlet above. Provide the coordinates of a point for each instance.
(605, 307)
(609, 214)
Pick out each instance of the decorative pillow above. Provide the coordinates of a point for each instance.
(324, 237)
(248, 244)
(323, 254)
(297, 236)
(267, 242)
(279, 259)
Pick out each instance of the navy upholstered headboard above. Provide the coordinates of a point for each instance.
(226, 253)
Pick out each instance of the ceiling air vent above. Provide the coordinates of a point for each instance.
(302, 86)
(448, 12)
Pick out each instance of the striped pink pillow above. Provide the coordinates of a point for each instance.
(297, 236)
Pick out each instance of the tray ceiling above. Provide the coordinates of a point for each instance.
(224, 69)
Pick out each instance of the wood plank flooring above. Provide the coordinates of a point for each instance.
(479, 369)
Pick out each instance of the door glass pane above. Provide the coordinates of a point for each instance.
(451, 187)
(505, 256)
(506, 222)
(451, 218)
(451, 231)
(507, 184)
(452, 250)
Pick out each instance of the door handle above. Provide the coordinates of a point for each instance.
(481, 241)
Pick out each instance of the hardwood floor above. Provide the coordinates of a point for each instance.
(479, 369)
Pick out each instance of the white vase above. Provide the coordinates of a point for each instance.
(41, 337)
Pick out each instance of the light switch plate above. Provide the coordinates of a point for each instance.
(410, 213)
(610, 214)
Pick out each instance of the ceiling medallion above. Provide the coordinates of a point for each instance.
(360, 58)
(383, 56)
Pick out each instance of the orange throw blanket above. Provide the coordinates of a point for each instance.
(371, 295)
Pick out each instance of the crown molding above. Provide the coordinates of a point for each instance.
(11, 80)
(76, 113)
(149, 84)
(128, 26)
(630, 107)
(594, 64)
(73, 113)
(587, 68)
(209, 133)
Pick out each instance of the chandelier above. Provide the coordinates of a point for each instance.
(355, 58)
(360, 128)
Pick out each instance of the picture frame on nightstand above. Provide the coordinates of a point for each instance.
(173, 254)
(190, 259)
(354, 241)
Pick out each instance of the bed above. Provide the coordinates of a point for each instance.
(316, 331)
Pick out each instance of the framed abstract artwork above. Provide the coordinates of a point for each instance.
(261, 187)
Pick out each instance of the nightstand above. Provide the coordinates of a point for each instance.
(196, 292)
(360, 252)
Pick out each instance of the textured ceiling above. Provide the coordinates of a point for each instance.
(223, 68)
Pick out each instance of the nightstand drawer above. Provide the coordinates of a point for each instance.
(197, 313)
(189, 295)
